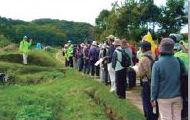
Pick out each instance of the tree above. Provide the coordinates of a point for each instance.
(46, 31)
(172, 17)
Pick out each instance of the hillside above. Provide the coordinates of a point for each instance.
(46, 31)
(44, 92)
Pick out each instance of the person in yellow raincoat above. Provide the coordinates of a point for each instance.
(24, 48)
(148, 38)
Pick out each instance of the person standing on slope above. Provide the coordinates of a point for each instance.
(24, 48)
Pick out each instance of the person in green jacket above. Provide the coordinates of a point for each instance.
(24, 48)
(182, 54)
(69, 54)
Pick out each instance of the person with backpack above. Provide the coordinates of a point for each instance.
(131, 74)
(144, 72)
(166, 83)
(24, 48)
(120, 62)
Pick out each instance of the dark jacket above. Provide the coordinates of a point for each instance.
(110, 53)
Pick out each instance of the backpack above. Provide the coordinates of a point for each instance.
(125, 59)
(151, 59)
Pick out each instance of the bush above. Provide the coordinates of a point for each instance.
(4, 41)
(41, 58)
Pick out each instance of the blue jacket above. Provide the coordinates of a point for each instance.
(165, 79)
(38, 46)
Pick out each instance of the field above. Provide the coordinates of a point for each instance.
(45, 90)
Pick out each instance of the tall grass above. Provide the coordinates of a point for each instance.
(35, 57)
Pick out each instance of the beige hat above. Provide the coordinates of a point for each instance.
(117, 42)
(110, 37)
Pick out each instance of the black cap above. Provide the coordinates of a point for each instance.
(145, 45)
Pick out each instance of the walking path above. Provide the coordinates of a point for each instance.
(134, 97)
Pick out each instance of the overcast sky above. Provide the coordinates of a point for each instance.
(72, 10)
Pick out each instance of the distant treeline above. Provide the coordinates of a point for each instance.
(46, 31)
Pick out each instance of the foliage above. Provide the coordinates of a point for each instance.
(173, 17)
(46, 31)
(4, 41)
(132, 19)
(46, 93)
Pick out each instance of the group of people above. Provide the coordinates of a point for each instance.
(86, 56)
(162, 71)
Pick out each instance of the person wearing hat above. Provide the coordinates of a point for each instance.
(120, 71)
(24, 48)
(103, 65)
(108, 58)
(69, 54)
(144, 72)
(131, 74)
(183, 55)
(165, 82)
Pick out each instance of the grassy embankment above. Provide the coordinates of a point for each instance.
(44, 91)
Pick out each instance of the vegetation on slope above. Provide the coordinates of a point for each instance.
(50, 93)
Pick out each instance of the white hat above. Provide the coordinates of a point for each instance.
(25, 37)
(110, 37)
(94, 43)
(82, 44)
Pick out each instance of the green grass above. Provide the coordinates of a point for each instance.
(65, 99)
(35, 57)
(47, 93)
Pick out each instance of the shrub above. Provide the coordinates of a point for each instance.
(41, 58)
(4, 41)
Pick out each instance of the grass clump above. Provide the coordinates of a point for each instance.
(35, 57)
(42, 58)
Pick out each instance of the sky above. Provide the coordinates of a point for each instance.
(71, 10)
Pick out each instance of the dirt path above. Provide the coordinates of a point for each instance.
(134, 97)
